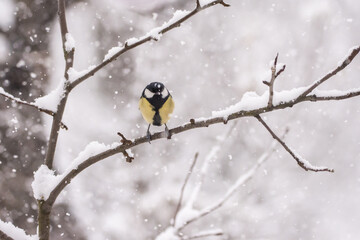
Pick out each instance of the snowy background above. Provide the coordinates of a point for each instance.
(207, 64)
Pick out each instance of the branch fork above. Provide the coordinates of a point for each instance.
(274, 75)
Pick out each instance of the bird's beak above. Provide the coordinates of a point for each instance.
(158, 93)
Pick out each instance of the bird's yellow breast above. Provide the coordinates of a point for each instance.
(166, 110)
(146, 110)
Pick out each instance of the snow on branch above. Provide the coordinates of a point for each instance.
(10, 232)
(18, 100)
(45, 180)
(251, 105)
(178, 18)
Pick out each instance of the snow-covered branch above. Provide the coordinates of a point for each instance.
(251, 105)
(178, 18)
(18, 100)
(10, 232)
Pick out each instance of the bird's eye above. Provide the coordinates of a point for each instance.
(148, 94)
(164, 93)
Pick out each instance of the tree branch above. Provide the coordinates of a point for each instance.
(127, 46)
(302, 162)
(353, 52)
(193, 124)
(44, 209)
(18, 100)
(69, 60)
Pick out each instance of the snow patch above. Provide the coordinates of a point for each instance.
(112, 52)
(249, 101)
(90, 150)
(205, 2)
(69, 43)
(44, 182)
(186, 214)
(15, 232)
(131, 41)
(155, 33)
(252, 101)
(74, 74)
(51, 100)
(168, 234)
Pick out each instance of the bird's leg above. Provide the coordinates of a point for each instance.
(167, 132)
(148, 134)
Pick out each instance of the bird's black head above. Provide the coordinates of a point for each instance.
(155, 89)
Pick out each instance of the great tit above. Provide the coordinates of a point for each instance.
(156, 105)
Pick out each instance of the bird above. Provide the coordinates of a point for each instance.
(156, 104)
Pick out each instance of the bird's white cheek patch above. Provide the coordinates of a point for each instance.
(164, 93)
(148, 94)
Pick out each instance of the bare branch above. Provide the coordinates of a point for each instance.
(274, 75)
(353, 52)
(127, 156)
(183, 187)
(143, 40)
(302, 162)
(124, 140)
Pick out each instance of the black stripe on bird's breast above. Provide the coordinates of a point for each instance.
(157, 119)
(157, 101)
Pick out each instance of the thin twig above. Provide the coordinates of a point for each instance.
(127, 156)
(274, 75)
(302, 163)
(184, 186)
(124, 140)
